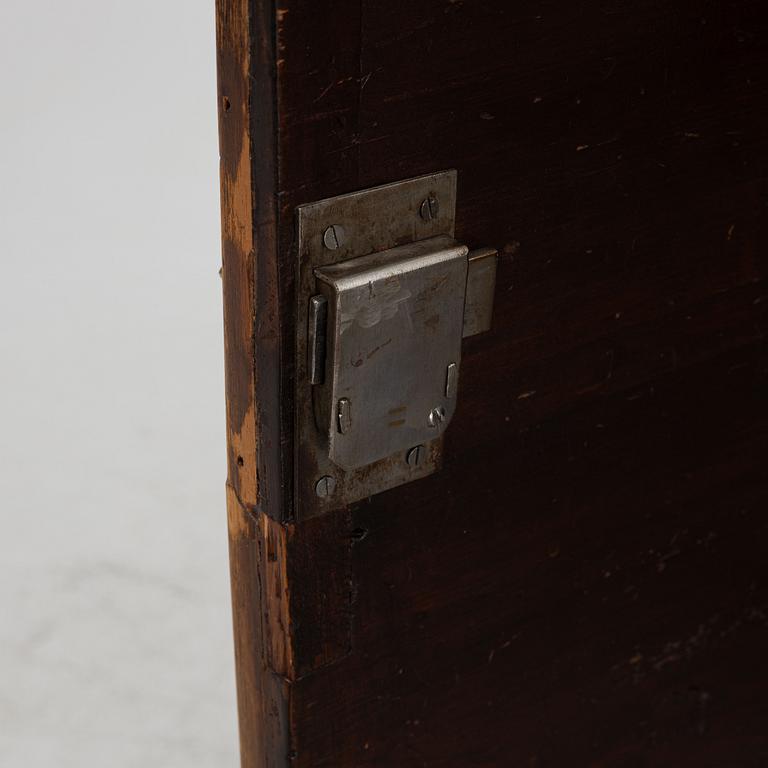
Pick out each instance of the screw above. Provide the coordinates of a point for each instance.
(436, 416)
(415, 456)
(430, 207)
(325, 486)
(333, 237)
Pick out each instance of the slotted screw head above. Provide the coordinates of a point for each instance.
(415, 456)
(430, 208)
(333, 237)
(325, 486)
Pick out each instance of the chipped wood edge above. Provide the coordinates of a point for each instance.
(263, 656)
(259, 612)
(247, 143)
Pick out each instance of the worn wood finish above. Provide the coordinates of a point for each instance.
(585, 582)
(249, 222)
(248, 194)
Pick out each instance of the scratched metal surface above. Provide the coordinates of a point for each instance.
(372, 222)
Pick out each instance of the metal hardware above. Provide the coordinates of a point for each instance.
(437, 417)
(414, 456)
(451, 380)
(383, 294)
(325, 486)
(318, 317)
(344, 416)
(429, 208)
(395, 322)
(333, 237)
(481, 286)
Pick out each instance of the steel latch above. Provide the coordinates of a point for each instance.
(386, 295)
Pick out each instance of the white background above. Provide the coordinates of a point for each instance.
(115, 634)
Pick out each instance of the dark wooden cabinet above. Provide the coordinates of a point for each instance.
(584, 581)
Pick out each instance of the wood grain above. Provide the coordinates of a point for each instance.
(263, 651)
(248, 194)
(585, 581)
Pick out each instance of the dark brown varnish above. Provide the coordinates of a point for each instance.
(584, 584)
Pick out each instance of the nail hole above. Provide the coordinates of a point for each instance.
(240, 461)
(358, 534)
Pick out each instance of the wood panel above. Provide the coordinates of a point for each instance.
(585, 582)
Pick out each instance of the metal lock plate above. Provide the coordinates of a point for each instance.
(394, 328)
(382, 289)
